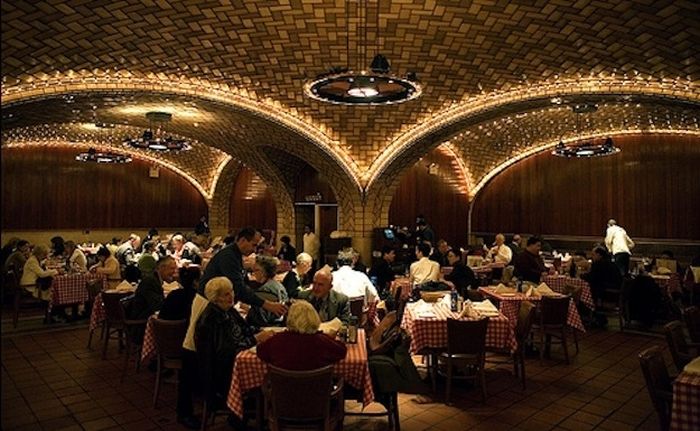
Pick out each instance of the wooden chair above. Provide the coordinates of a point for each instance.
(357, 306)
(168, 335)
(323, 400)
(20, 297)
(133, 334)
(659, 383)
(466, 346)
(691, 317)
(94, 288)
(677, 344)
(114, 323)
(553, 314)
(526, 315)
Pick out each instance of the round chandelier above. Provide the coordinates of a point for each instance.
(585, 149)
(92, 155)
(155, 138)
(373, 86)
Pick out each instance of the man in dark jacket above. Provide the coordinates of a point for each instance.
(149, 293)
(603, 275)
(382, 274)
(529, 265)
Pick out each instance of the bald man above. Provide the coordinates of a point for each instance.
(328, 303)
(500, 252)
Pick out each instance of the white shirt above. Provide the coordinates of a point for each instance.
(501, 254)
(424, 270)
(312, 245)
(617, 241)
(78, 261)
(354, 284)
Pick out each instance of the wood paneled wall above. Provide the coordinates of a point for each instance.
(48, 189)
(441, 197)
(652, 188)
(310, 182)
(251, 203)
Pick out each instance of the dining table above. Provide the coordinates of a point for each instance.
(429, 332)
(558, 283)
(685, 407)
(509, 305)
(249, 373)
(71, 289)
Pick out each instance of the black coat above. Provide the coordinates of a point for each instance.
(463, 277)
(228, 262)
(148, 298)
(219, 336)
(177, 305)
(292, 284)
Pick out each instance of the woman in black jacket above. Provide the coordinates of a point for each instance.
(461, 276)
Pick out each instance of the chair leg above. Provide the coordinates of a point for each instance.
(482, 377)
(105, 341)
(575, 339)
(542, 346)
(16, 302)
(395, 412)
(449, 381)
(138, 358)
(565, 345)
(432, 364)
(126, 358)
(205, 416)
(156, 390)
(89, 346)
(522, 367)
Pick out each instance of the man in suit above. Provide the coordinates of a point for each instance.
(149, 293)
(328, 303)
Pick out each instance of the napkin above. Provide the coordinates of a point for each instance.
(693, 366)
(501, 288)
(544, 290)
(125, 286)
(486, 308)
(423, 309)
(331, 327)
(469, 311)
(531, 291)
(663, 270)
(168, 287)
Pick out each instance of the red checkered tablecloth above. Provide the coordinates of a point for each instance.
(71, 288)
(404, 284)
(98, 312)
(510, 305)
(148, 349)
(249, 372)
(669, 284)
(685, 411)
(558, 283)
(431, 333)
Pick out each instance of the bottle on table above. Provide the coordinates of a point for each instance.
(352, 330)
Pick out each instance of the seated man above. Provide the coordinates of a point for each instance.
(149, 293)
(440, 253)
(424, 269)
(302, 346)
(383, 273)
(603, 275)
(529, 265)
(500, 252)
(351, 283)
(327, 302)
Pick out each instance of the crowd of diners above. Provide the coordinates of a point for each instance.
(245, 269)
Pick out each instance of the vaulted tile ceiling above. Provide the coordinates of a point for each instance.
(498, 77)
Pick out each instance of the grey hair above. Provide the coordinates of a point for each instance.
(268, 264)
(217, 286)
(304, 258)
(303, 318)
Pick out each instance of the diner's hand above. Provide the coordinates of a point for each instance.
(263, 336)
(277, 308)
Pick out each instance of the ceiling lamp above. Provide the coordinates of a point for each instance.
(376, 86)
(92, 155)
(155, 138)
(586, 149)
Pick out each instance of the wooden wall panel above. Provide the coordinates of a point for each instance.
(310, 182)
(251, 203)
(439, 197)
(652, 188)
(48, 189)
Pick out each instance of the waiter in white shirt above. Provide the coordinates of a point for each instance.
(619, 245)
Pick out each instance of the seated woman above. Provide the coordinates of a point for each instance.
(35, 278)
(221, 333)
(461, 276)
(302, 346)
(270, 289)
(295, 279)
(107, 264)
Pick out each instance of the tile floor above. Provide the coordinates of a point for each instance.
(51, 381)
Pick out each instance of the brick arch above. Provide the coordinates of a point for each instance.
(219, 204)
(384, 176)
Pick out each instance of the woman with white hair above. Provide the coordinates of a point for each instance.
(295, 279)
(33, 271)
(270, 289)
(302, 346)
(221, 333)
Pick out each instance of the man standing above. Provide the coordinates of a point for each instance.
(312, 246)
(619, 245)
(529, 265)
(328, 303)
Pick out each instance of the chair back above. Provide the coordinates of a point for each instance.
(400, 304)
(286, 388)
(466, 336)
(169, 335)
(507, 274)
(526, 314)
(574, 291)
(658, 382)
(677, 344)
(377, 341)
(356, 307)
(114, 311)
(94, 287)
(10, 278)
(554, 310)
(691, 316)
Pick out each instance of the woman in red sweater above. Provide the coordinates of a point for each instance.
(301, 347)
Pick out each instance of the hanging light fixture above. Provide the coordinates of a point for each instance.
(376, 86)
(155, 138)
(92, 155)
(585, 149)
